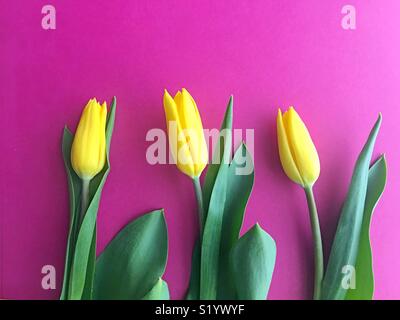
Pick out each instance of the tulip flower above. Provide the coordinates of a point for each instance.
(186, 138)
(185, 130)
(88, 153)
(298, 155)
(299, 159)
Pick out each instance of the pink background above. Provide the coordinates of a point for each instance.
(269, 54)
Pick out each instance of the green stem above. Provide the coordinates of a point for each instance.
(199, 197)
(85, 198)
(318, 250)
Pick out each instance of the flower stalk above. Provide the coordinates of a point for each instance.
(200, 206)
(85, 198)
(318, 250)
(300, 161)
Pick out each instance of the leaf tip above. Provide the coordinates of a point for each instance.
(379, 120)
(230, 104)
(256, 228)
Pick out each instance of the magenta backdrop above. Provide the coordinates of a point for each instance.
(269, 54)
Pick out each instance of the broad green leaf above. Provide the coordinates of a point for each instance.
(240, 184)
(252, 262)
(239, 188)
(193, 292)
(74, 188)
(134, 260)
(158, 292)
(364, 274)
(82, 264)
(345, 246)
(210, 248)
(221, 154)
(220, 158)
(88, 288)
(210, 244)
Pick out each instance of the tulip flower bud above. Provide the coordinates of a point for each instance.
(185, 132)
(88, 153)
(297, 152)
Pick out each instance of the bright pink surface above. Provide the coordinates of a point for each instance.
(269, 54)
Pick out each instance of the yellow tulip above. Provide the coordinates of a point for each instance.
(185, 131)
(297, 152)
(88, 153)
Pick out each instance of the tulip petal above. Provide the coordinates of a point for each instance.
(179, 148)
(191, 122)
(303, 150)
(102, 134)
(92, 135)
(285, 153)
(189, 113)
(178, 100)
(88, 149)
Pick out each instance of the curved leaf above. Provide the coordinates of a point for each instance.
(219, 158)
(252, 262)
(344, 250)
(211, 240)
(240, 184)
(221, 154)
(134, 260)
(193, 292)
(364, 289)
(158, 292)
(239, 190)
(87, 293)
(74, 188)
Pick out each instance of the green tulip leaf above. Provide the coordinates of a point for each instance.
(210, 248)
(364, 275)
(252, 261)
(74, 188)
(218, 167)
(134, 261)
(240, 184)
(193, 292)
(221, 155)
(81, 246)
(158, 292)
(345, 246)
(87, 293)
